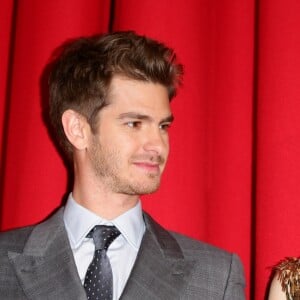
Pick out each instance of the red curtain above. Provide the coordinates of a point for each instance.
(234, 169)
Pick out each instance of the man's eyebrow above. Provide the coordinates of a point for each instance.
(133, 115)
(138, 116)
(168, 119)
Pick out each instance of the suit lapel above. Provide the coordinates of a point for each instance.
(46, 268)
(160, 268)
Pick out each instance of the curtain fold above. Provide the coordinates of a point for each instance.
(6, 30)
(233, 174)
(278, 136)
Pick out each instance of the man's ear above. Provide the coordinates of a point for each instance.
(76, 128)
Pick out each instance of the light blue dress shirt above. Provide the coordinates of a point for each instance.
(123, 250)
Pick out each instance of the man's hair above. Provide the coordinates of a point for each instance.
(82, 73)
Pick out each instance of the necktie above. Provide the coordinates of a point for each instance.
(98, 282)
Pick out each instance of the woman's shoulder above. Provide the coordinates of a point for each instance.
(286, 280)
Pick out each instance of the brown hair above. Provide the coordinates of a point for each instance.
(82, 73)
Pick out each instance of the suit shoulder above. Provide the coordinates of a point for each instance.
(194, 248)
(211, 273)
(14, 240)
(210, 260)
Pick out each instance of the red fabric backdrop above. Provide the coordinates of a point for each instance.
(233, 174)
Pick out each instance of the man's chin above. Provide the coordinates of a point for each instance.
(146, 189)
(147, 192)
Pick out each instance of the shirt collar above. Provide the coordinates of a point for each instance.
(79, 221)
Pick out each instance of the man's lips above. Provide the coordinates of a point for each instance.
(148, 166)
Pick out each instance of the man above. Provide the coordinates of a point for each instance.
(109, 105)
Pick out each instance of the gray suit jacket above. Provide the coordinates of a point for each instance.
(37, 263)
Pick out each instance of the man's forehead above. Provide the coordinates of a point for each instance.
(144, 95)
(122, 81)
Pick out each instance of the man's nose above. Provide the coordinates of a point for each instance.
(156, 141)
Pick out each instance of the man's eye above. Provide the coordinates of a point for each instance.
(134, 124)
(165, 126)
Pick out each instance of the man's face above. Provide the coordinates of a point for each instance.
(129, 151)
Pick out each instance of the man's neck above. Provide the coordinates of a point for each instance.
(105, 204)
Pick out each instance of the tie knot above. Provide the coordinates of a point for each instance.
(103, 236)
